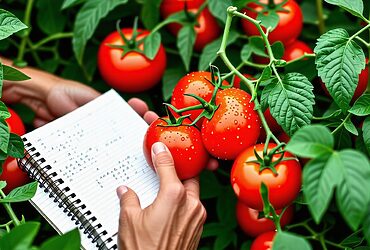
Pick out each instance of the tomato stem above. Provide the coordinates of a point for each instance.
(9, 210)
(342, 124)
(320, 16)
(271, 4)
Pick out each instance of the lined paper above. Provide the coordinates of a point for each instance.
(94, 149)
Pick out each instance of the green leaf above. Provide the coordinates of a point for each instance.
(4, 136)
(15, 146)
(1, 79)
(218, 8)
(185, 44)
(366, 224)
(209, 185)
(350, 127)
(226, 208)
(291, 102)
(67, 241)
(266, 93)
(320, 177)
(150, 13)
(13, 74)
(353, 192)
(255, 46)
(170, 78)
(339, 62)
(20, 237)
(23, 193)
(278, 49)
(224, 239)
(353, 240)
(366, 133)
(285, 241)
(212, 229)
(70, 3)
(271, 19)
(87, 20)
(361, 106)
(343, 139)
(9, 24)
(355, 7)
(209, 53)
(311, 141)
(2, 184)
(152, 44)
(49, 17)
(266, 74)
(4, 113)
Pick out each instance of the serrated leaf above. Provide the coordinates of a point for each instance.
(266, 93)
(70, 3)
(15, 146)
(366, 133)
(271, 19)
(285, 241)
(185, 44)
(209, 52)
(23, 193)
(350, 127)
(4, 113)
(152, 44)
(291, 102)
(353, 192)
(311, 141)
(355, 7)
(4, 136)
(13, 74)
(87, 20)
(361, 106)
(320, 177)
(150, 13)
(9, 24)
(20, 237)
(366, 224)
(218, 8)
(49, 17)
(67, 241)
(224, 239)
(339, 62)
(266, 74)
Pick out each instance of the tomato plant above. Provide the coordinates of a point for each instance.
(15, 123)
(263, 241)
(184, 143)
(283, 179)
(127, 69)
(296, 50)
(13, 175)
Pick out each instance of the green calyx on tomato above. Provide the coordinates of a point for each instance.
(172, 121)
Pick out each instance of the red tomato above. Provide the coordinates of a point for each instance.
(253, 226)
(246, 179)
(234, 126)
(289, 27)
(237, 80)
(263, 241)
(296, 50)
(184, 143)
(207, 29)
(196, 83)
(134, 72)
(15, 123)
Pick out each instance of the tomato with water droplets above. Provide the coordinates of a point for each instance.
(283, 186)
(184, 143)
(234, 126)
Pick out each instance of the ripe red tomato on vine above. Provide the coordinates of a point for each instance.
(263, 241)
(184, 143)
(296, 50)
(206, 29)
(234, 126)
(289, 26)
(283, 185)
(15, 123)
(133, 71)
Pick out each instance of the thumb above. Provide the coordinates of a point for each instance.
(164, 164)
(128, 197)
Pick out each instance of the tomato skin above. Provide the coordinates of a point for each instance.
(207, 29)
(246, 179)
(234, 126)
(12, 174)
(196, 83)
(184, 143)
(296, 50)
(263, 241)
(253, 226)
(237, 80)
(289, 27)
(134, 72)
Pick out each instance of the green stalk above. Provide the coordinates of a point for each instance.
(320, 16)
(342, 124)
(51, 38)
(26, 20)
(10, 211)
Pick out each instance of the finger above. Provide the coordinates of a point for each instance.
(128, 197)
(192, 186)
(38, 122)
(39, 108)
(150, 116)
(138, 105)
(164, 164)
(212, 164)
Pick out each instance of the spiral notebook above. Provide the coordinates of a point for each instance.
(80, 159)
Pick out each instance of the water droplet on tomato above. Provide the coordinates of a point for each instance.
(182, 138)
(235, 122)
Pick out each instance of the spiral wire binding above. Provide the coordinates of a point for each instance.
(33, 164)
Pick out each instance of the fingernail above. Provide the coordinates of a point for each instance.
(121, 190)
(158, 147)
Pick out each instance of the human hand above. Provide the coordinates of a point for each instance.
(174, 220)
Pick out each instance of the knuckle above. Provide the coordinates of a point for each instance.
(175, 191)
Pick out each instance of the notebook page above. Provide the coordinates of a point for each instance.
(94, 149)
